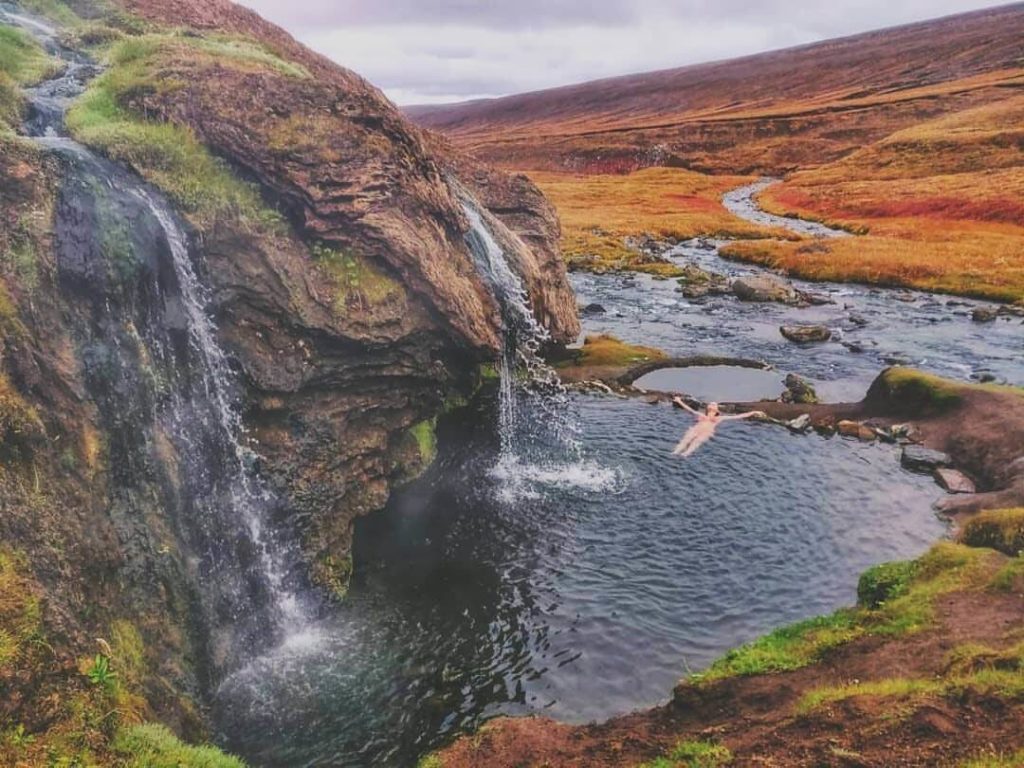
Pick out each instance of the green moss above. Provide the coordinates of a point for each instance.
(883, 582)
(923, 390)
(1001, 529)
(168, 155)
(430, 761)
(425, 436)
(358, 284)
(1010, 576)
(153, 746)
(606, 350)
(693, 754)
(791, 647)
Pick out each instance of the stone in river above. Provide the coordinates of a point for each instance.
(594, 309)
(954, 481)
(920, 459)
(763, 288)
(799, 390)
(800, 424)
(804, 334)
(984, 314)
(858, 320)
(856, 429)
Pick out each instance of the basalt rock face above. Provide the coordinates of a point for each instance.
(333, 393)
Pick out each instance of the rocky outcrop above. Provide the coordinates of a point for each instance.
(345, 297)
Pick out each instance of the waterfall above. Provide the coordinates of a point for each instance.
(154, 367)
(522, 370)
(248, 499)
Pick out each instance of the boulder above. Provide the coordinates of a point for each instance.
(593, 309)
(858, 320)
(800, 424)
(806, 334)
(984, 314)
(855, 429)
(917, 458)
(763, 288)
(799, 390)
(954, 481)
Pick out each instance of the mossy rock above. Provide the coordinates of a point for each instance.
(1000, 529)
(913, 393)
(884, 582)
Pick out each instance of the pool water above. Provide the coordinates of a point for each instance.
(585, 592)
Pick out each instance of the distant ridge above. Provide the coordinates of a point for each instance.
(824, 98)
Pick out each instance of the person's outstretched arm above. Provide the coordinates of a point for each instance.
(747, 415)
(679, 401)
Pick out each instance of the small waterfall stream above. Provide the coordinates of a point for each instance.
(155, 367)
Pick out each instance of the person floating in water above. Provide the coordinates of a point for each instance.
(705, 427)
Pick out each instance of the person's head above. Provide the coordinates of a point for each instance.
(712, 409)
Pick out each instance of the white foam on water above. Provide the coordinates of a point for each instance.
(521, 480)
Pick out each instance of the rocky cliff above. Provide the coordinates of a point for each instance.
(329, 238)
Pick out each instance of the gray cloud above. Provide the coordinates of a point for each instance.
(447, 50)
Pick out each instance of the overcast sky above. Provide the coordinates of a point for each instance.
(431, 51)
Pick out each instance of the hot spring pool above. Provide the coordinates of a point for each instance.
(579, 589)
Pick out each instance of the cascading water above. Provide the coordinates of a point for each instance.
(523, 335)
(155, 368)
(533, 406)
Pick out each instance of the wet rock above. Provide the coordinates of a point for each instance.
(854, 346)
(896, 359)
(799, 390)
(984, 377)
(800, 424)
(917, 458)
(954, 481)
(594, 309)
(863, 432)
(806, 334)
(814, 299)
(906, 298)
(763, 288)
(858, 320)
(984, 314)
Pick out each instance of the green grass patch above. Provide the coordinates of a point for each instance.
(897, 599)
(358, 283)
(169, 156)
(22, 59)
(153, 746)
(1007, 759)
(890, 688)
(693, 754)
(884, 582)
(787, 648)
(999, 529)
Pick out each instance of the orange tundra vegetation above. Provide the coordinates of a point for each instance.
(600, 212)
(941, 205)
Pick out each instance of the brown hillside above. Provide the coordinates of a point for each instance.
(771, 112)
